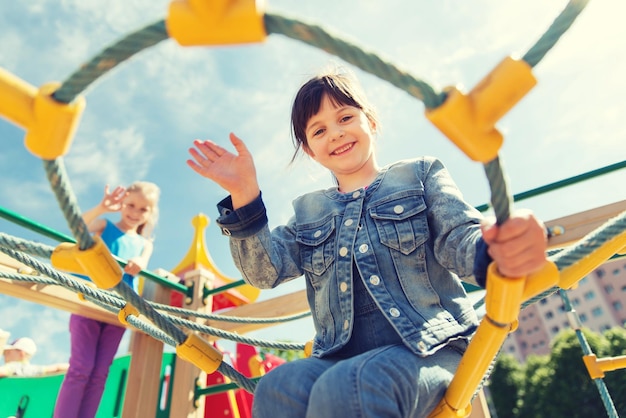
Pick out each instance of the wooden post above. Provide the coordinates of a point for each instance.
(144, 375)
(186, 374)
(480, 409)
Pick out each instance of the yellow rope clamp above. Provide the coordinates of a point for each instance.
(469, 120)
(216, 22)
(50, 125)
(81, 295)
(596, 367)
(200, 353)
(125, 312)
(308, 348)
(95, 262)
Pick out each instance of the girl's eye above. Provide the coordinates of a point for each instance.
(318, 132)
(346, 118)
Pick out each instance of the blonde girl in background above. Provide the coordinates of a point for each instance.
(95, 343)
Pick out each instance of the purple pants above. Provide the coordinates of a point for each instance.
(93, 347)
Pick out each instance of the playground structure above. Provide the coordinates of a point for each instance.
(50, 115)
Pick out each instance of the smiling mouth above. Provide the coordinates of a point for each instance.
(343, 149)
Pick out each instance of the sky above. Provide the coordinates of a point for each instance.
(142, 117)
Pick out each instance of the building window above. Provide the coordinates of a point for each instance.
(543, 301)
(555, 329)
(597, 311)
(608, 288)
(583, 280)
(583, 317)
(618, 306)
(600, 273)
(616, 272)
(575, 302)
(549, 315)
(590, 295)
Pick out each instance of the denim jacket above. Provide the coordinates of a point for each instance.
(410, 233)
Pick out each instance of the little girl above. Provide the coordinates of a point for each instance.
(94, 343)
(382, 255)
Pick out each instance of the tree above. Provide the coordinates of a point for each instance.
(505, 385)
(559, 384)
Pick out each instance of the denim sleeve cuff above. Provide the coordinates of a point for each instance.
(481, 262)
(243, 222)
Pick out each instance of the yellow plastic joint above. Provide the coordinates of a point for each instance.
(255, 365)
(200, 353)
(308, 348)
(504, 296)
(542, 280)
(17, 99)
(216, 22)
(469, 120)
(125, 312)
(54, 123)
(81, 296)
(95, 262)
(591, 363)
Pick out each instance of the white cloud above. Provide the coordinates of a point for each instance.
(119, 156)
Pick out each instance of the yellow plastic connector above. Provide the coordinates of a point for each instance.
(504, 296)
(50, 125)
(81, 296)
(255, 365)
(596, 367)
(200, 353)
(308, 348)
(95, 262)
(216, 22)
(469, 120)
(125, 312)
(17, 99)
(542, 280)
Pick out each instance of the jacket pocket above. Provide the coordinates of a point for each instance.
(317, 244)
(401, 221)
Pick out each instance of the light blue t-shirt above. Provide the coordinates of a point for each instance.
(123, 245)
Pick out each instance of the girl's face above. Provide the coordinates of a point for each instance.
(341, 138)
(136, 211)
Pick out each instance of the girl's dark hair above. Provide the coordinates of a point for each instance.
(341, 89)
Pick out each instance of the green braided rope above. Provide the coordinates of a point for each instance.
(367, 61)
(560, 25)
(224, 318)
(109, 58)
(60, 184)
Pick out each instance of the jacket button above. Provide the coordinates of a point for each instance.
(356, 194)
(398, 209)
(421, 346)
(317, 234)
(363, 248)
(348, 222)
(343, 251)
(346, 324)
(375, 280)
(225, 231)
(343, 286)
(394, 312)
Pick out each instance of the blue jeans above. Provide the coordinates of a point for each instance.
(375, 375)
